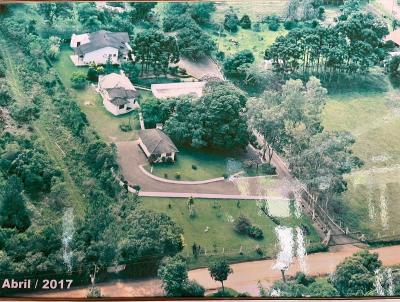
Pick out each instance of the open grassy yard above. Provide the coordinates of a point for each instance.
(201, 165)
(257, 42)
(256, 9)
(221, 239)
(373, 197)
(106, 124)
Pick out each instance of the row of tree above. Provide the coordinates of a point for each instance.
(351, 46)
(362, 274)
(289, 122)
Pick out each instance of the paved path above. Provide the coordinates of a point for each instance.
(206, 196)
(244, 278)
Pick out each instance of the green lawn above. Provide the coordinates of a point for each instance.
(257, 42)
(217, 215)
(373, 197)
(106, 124)
(207, 166)
(201, 165)
(256, 9)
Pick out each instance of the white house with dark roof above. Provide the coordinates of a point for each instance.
(157, 146)
(171, 90)
(118, 93)
(99, 46)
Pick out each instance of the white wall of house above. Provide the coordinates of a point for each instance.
(100, 56)
(144, 148)
(118, 110)
(159, 159)
(77, 40)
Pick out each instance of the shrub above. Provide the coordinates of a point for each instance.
(178, 175)
(125, 127)
(257, 27)
(301, 278)
(169, 160)
(273, 22)
(268, 169)
(242, 225)
(255, 232)
(225, 176)
(289, 24)
(78, 80)
(136, 187)
(220, 56)
(316, 248)
(231, 22)
(25, 113)
(259, 251)
(245, 22)
(165, 175)
(194, 167)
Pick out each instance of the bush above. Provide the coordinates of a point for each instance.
(78, 80)
(257, 27)
(231, 22)
(242, 225)
(316, 248)
(245, 22)
(225, 176)
(177, 175)
(255, 232)
(25, 113)
(125, 127)
(194, 167)
(303, 279)
(273, 22)
(289, 24)
(220, 56)
(268, 169)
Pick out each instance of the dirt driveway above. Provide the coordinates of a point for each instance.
(130, 156)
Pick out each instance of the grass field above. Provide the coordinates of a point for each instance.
(256, 9)
(373, 197)
(217, 216)
(200, 165)
(106, 124)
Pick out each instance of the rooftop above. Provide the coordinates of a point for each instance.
(157, 142)
(103, 38)
(394, 36)
(163, 91)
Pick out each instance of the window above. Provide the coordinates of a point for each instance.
(121, 106)
(114, 55)
(78, 44)
(169, 154)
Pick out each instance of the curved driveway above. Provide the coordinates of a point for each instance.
(130, 157)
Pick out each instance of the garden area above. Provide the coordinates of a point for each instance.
(373, 193)
(210, 225)
(90, 102)
(194, 165)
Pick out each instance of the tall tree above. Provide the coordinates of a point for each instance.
(13, 211)
(155, 50)
(219, 271)
(194, 43)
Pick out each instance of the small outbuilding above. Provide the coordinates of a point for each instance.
(118, 93)
(157, 146)
(172, 90)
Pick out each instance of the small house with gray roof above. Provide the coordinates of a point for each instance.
(100, 46)
(118, 93)
(157, 146)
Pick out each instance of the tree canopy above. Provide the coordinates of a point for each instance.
(216, 120)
